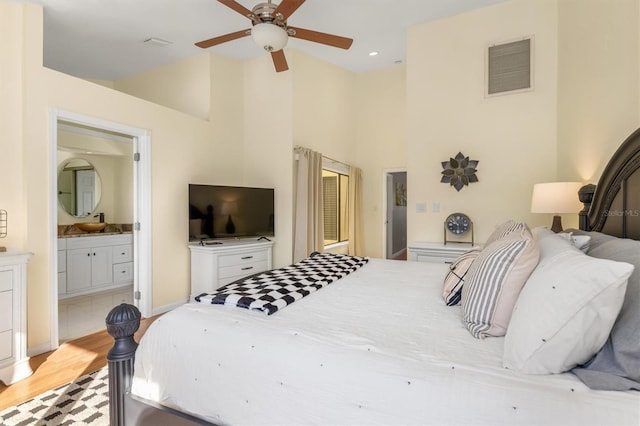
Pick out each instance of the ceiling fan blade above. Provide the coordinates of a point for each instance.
(287, 7)
(323, 38)
(222, 39)
(279, 60)
(232, 4)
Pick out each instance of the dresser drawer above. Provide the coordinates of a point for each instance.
(6, 280)
(247, 268)
(6, 344)
(242, 258)
(122, 253)
(6, 310)
(123, 272)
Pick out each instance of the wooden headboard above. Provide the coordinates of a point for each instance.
(613, 206)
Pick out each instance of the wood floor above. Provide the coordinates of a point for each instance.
(70, 361)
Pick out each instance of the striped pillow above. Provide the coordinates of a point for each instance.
(454, 280)
(495, 280)
(504, 230)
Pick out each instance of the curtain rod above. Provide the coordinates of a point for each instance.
(324, 156)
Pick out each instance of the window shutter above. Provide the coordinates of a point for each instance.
(509, 67)
(330, 194)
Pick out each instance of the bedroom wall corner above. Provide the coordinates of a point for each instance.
(598, 83)
(267, 149)
(380, 142)
(183, 85)
(514, 136)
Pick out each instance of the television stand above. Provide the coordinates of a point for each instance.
(214, 265)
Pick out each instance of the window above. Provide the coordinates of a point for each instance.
(335, 188)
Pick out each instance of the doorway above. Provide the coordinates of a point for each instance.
(104, 143)
(394, 233)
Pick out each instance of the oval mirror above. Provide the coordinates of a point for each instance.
(79, 187)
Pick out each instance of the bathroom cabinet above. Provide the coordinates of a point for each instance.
(94, 263)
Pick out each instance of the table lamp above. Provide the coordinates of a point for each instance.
(3, 227)
(556, 198)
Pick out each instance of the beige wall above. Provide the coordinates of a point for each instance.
(514, 136)
(597, 83)
(183, 86)
(381, 143)
(12, 195)
(26, 83)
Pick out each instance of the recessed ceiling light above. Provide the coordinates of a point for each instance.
(156, 41)
(374, 53)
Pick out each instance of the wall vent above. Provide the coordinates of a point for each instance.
(510, 67)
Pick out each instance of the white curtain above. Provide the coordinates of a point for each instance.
(355, 212)
(308, 232)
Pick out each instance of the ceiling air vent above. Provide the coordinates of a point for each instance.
(509, 67)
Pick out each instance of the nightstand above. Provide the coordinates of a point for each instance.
(437, 252)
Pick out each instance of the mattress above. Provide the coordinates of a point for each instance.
(376, 347)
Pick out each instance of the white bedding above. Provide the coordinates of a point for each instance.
(377, 347)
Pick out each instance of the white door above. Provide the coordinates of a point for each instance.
(85, 191)
(389, 211)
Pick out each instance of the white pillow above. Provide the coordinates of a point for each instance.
(566, 310)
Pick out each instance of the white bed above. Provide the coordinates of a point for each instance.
(376, 347)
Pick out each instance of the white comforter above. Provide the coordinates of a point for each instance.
(376, 347)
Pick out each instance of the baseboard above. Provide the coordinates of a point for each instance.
(166, 308)
(39, 349)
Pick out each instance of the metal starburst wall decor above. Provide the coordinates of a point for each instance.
(459, 171)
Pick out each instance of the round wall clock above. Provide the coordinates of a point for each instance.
(458, 224)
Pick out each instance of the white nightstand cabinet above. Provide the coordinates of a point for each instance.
(215, 265)
(437, 252)
(14, 362)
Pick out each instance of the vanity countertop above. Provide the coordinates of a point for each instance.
(71, 231)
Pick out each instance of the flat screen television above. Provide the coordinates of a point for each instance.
(219, 212)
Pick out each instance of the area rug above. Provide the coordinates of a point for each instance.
(85, 401)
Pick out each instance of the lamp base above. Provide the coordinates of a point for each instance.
(557, 224)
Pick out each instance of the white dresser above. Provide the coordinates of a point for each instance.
(223, 262)
(94, 263)
(14, 363)
(437, 252)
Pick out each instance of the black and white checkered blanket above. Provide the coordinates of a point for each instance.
(273, 290)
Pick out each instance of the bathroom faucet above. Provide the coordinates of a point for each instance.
(101, 217)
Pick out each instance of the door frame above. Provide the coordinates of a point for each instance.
(142, 269)
(385, 173)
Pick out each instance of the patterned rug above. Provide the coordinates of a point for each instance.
(85, 401)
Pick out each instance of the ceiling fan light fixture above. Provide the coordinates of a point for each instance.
(270, 37)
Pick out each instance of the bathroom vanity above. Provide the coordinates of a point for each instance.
(91, 263)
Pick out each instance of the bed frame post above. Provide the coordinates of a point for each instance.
(122, 322)
(585, 194)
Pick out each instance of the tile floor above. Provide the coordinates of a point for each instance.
(82, 315)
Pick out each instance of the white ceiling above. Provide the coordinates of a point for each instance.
(103, 39)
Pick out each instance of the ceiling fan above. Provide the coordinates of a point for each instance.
(270, 30)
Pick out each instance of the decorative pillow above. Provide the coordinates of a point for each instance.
(566, 310)
(504, 230)
(617, 365)
(495, 280)
(454, 280)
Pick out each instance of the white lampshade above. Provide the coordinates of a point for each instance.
(556, 198)
(269, 36)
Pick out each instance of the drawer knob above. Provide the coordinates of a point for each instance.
(247, 268)
(247, 257)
